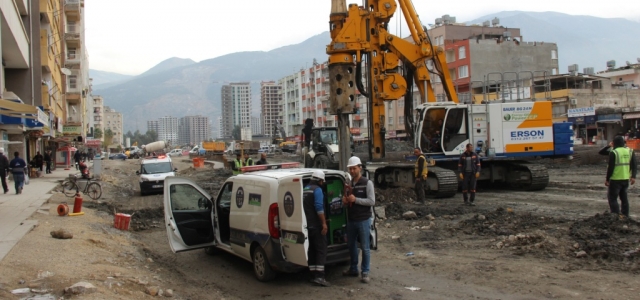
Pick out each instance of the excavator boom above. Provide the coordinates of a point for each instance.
(360, 36)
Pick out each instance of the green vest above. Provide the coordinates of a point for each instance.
(622, 169)
(238, 165)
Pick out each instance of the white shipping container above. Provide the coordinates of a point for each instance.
(245, 134)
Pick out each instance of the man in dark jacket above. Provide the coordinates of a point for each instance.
(313, 205)
(469, 169)
(4, 170)
(263, 159)
(77, 157)
(47, 160)
(38, 161)
(621, 171)
(18, 166)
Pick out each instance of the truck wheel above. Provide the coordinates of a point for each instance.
(261, 267)
(321, 162)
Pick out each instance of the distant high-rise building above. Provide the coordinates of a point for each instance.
(193, 130)
(220, 133)
(168, 129)
(113, 122)
(152, 126)
(236, 107)
(270, 106)
(255, 126)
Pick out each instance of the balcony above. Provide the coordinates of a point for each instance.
(73, 117)
(72, 59)
(72, 9)
(72, 35)
(97, 118)
(46, 58)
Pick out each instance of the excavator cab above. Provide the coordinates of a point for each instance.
(443, 129)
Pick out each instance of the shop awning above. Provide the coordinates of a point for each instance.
(17, 110)
(631, 116)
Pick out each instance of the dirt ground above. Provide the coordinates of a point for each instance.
(556, 243)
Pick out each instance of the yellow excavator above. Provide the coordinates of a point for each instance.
(361, 40)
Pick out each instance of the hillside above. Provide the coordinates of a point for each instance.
(195, 88)
(103, 77)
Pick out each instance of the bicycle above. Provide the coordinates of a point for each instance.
(70, 187)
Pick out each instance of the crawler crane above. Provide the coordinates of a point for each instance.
(504, 132)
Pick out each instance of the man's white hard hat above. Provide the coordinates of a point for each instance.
(353, 161)
(317, 174)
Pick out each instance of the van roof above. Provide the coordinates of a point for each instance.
(156, 159)
(280, 173)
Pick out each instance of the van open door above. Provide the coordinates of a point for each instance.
(293, 222)
(188, 215)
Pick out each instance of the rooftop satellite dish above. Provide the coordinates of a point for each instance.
(65, 71)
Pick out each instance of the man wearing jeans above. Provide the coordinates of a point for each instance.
(18, 167)
(359, 205)
(621, 170)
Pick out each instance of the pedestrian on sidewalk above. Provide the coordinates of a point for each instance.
(18, 167)
(621, 171)
(4, 170)
(77, 156)
(39, 161)
(47, 160)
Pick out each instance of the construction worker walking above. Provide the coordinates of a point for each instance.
(621, 170)
(469, 169)
(420, 174)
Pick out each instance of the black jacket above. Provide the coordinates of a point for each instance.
(4, 163)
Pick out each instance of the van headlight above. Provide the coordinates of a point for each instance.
(144, 179)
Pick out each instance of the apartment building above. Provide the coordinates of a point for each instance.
(168, 129)
(236, 107)
(256, 128)
(153, 126)
(113, 121)
(220, 133)
(77, 64)
(97, 115)
(270, 106)
(193, 130)
(291, 100)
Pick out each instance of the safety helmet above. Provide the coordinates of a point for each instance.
(317, 174)
(353, 161)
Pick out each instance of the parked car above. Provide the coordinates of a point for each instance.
(175, 152)
(118, 156)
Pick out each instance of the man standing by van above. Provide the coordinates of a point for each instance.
(317, 226)
(359, 205)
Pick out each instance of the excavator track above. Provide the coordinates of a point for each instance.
(441, 182)
(538, 176)
(447, 182)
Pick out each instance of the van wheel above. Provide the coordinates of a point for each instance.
(261, 267)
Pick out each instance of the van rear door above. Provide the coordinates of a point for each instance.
(293, 223)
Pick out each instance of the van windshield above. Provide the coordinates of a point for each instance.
(164, 167)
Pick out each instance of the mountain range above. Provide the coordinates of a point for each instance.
(179, 87)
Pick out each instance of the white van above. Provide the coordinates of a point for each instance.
(257, 216)
(153, 171)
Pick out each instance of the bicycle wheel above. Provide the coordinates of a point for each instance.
(94, 190)
(69, 188)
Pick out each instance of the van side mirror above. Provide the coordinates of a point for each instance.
(175, 169)
(137, 172)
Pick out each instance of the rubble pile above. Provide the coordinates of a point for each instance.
(208, 178)
(607, 237)
(390, 146)
(504, 222)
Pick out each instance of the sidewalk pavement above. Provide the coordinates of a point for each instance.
(16, 209)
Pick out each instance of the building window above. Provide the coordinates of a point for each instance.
(71, 53)
(554, 54)
(450, 55)
(401, 120)
(559, 111)
(462, 52)
(390, 122)
(452, 72)
(463, 71)
(73, 81)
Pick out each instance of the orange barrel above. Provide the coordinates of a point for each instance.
(77, 204)
(63, 209)
(122, 221)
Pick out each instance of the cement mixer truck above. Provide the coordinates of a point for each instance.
(158, 146)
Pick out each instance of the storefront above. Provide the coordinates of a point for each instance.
(584, 121)
(631, 123)
(612, 126)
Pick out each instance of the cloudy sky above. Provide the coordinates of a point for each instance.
(131, 36)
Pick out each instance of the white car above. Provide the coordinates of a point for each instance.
(153, 171)
(175, 152)
(257, 216)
